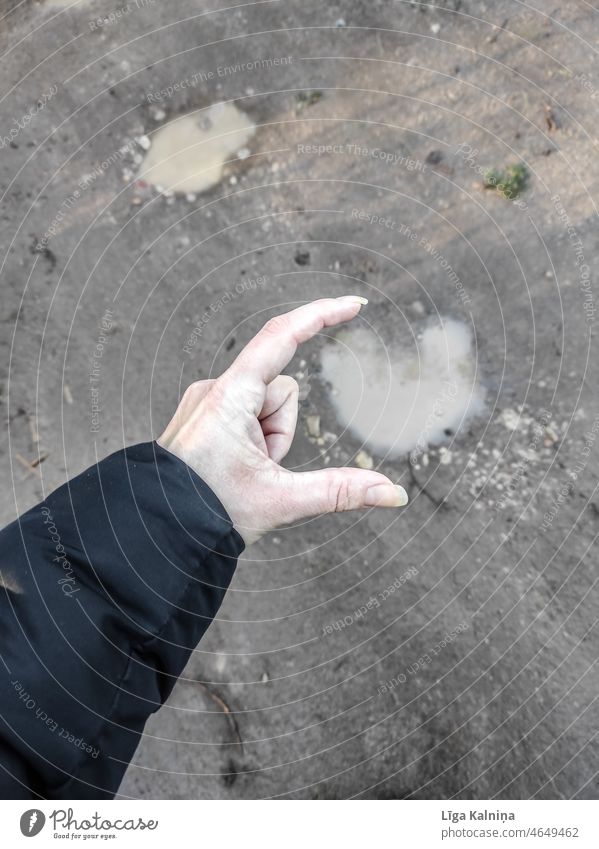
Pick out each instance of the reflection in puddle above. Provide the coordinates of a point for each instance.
(188, 154)
(397, 401)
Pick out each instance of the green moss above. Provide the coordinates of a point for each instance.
(509, 183)
(307, 98)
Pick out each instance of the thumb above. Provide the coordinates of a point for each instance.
(338, 490)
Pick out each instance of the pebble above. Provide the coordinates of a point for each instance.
(243, 153)
(144, 142)
(445, 456)
(509, 418)
(364, 460)
(313, 426)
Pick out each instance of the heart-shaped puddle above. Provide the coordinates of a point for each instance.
(399, 401)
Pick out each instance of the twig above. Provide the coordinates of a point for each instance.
(498, 30)
(221, 703)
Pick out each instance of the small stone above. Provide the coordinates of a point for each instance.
(66, 392)
(243, 153)
(340, 22)
(264, 678)
(435, 29)
(144, 142)
(313, 426)
(302, 258)
(509, 418)
(190, 197)
(233, 180)
(434, 157)
(364, 460)
(158, 114)
(445, 457)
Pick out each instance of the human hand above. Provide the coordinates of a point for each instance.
(235, 431)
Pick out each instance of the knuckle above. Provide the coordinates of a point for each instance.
(340, 495)
(193, 390)
(291, 384)
(276, 325)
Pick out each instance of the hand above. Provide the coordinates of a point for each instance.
(234, 432)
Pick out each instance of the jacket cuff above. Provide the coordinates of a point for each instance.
(154, 530)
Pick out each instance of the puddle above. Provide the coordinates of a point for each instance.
(398, 401)
(188, 154)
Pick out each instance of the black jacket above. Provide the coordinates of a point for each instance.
(105, 589)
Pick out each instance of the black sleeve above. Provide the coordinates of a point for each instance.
(105, 589)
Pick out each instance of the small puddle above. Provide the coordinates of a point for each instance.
(188, 154)
(397, 401)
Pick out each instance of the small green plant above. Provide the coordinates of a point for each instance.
(307, 98)
(509, 183)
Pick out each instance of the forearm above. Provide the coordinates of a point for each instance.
(109, 585)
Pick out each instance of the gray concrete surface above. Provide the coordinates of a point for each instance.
(507, 707)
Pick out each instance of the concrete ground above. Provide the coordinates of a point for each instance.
(474, 675)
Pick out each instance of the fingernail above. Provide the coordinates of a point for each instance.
(354, 299)
(386, 495)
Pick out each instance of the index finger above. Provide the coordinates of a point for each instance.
(267, 354)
